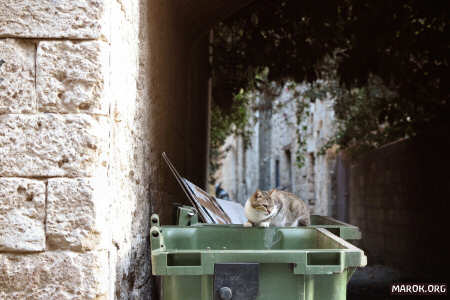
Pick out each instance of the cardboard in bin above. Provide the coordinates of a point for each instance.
(210, 209)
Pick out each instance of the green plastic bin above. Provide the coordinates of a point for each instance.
(187, 215)
(343, 230)
(289, 263)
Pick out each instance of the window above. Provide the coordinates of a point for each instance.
(277, 173)
(287, 155)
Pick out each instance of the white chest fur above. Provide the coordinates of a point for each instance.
(253, 215)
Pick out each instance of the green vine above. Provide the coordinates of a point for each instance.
(301, 130)
(226, 123)
(385, 88)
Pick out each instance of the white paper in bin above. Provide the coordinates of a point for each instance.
(211, 209)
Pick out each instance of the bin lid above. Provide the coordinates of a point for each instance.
(211, 209)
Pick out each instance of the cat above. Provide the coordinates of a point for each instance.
(276, 208)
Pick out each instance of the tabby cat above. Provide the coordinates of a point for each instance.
(276, 208)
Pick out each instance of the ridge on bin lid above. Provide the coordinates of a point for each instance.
(210, 209)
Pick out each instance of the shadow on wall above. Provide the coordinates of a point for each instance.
(174, 53)
(179, 86)
(399, 198)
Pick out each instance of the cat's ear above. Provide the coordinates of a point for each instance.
(258, 192)
(271, 192)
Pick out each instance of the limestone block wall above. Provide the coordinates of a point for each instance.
(73, 140)
(91, 93)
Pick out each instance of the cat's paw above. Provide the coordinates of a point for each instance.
(248, 224)
(264, 224)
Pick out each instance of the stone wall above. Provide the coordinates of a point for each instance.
(399, 199)
(74, 201)
(91, 93)
(241, 169)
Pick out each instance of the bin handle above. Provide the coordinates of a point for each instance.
(154, 220)
(156, 239)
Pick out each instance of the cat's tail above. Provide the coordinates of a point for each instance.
(304, 221)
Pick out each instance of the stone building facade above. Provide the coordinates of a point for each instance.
(271, 160)
(63, 111)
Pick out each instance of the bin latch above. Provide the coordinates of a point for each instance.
(236, 281)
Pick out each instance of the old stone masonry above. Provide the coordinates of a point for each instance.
(60, 103)
(91, 93)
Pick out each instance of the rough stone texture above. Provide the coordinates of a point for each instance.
(17, 65)
(77, 19)
(130, 164)
(241, 170)
(22, 215)
(54, 275)
(72, 77)
(159, 103)
(52, 145)
(76, 213)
